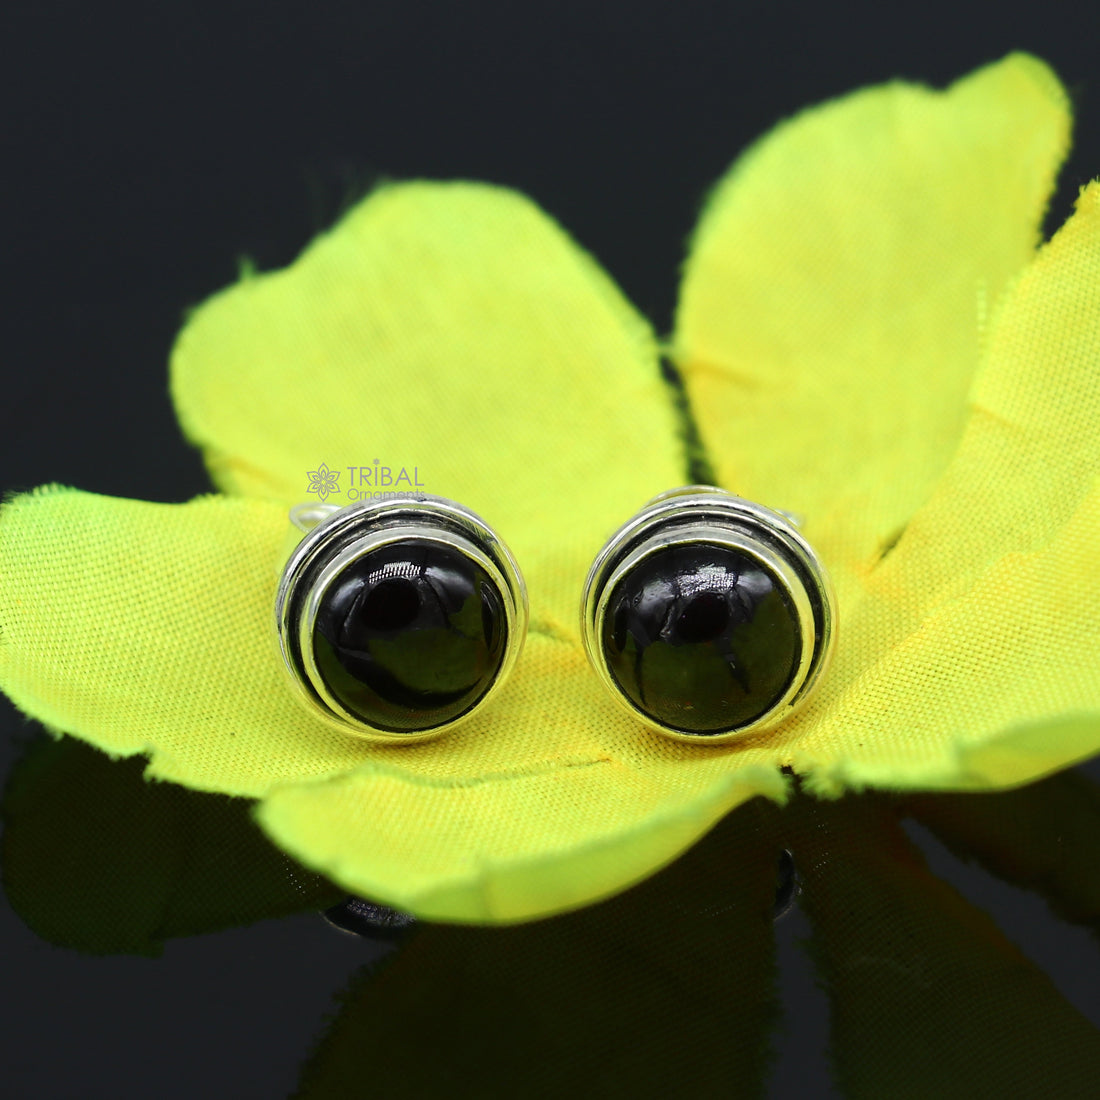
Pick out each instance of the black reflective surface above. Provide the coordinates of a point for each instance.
(411, 635)
(870, 946)
(701, 638)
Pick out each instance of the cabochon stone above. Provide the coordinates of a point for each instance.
(410, 636)
(701, 638)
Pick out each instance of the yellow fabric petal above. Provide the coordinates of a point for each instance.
(974, 661)
(451, 329)
(557, 799)
(829, 323)
(148, 628)
(839, 385)
(455, 329)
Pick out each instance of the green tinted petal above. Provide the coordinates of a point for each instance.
(99, 859)
(1043, 837)
(928, 996)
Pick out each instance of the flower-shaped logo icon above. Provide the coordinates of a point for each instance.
(323, 481)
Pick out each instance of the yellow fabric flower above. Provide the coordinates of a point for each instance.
(868, 336)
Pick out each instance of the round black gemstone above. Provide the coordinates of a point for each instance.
(410, 636)
(701, 638)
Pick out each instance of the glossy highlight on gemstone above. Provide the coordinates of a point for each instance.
(410, 635)
(701, 638)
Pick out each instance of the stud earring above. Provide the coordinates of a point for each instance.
(708, 616)
(398, 618)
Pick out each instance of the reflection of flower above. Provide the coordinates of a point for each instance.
(671, 988)
(673, 981)
(828, 338)
(323, 481)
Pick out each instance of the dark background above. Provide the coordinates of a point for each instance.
(149, 147)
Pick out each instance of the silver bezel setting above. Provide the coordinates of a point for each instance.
(703, 514)
(337, 537)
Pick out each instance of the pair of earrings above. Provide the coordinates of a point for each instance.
(708, 616)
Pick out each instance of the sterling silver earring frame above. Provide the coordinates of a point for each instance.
(708, 616)
(398, 619)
